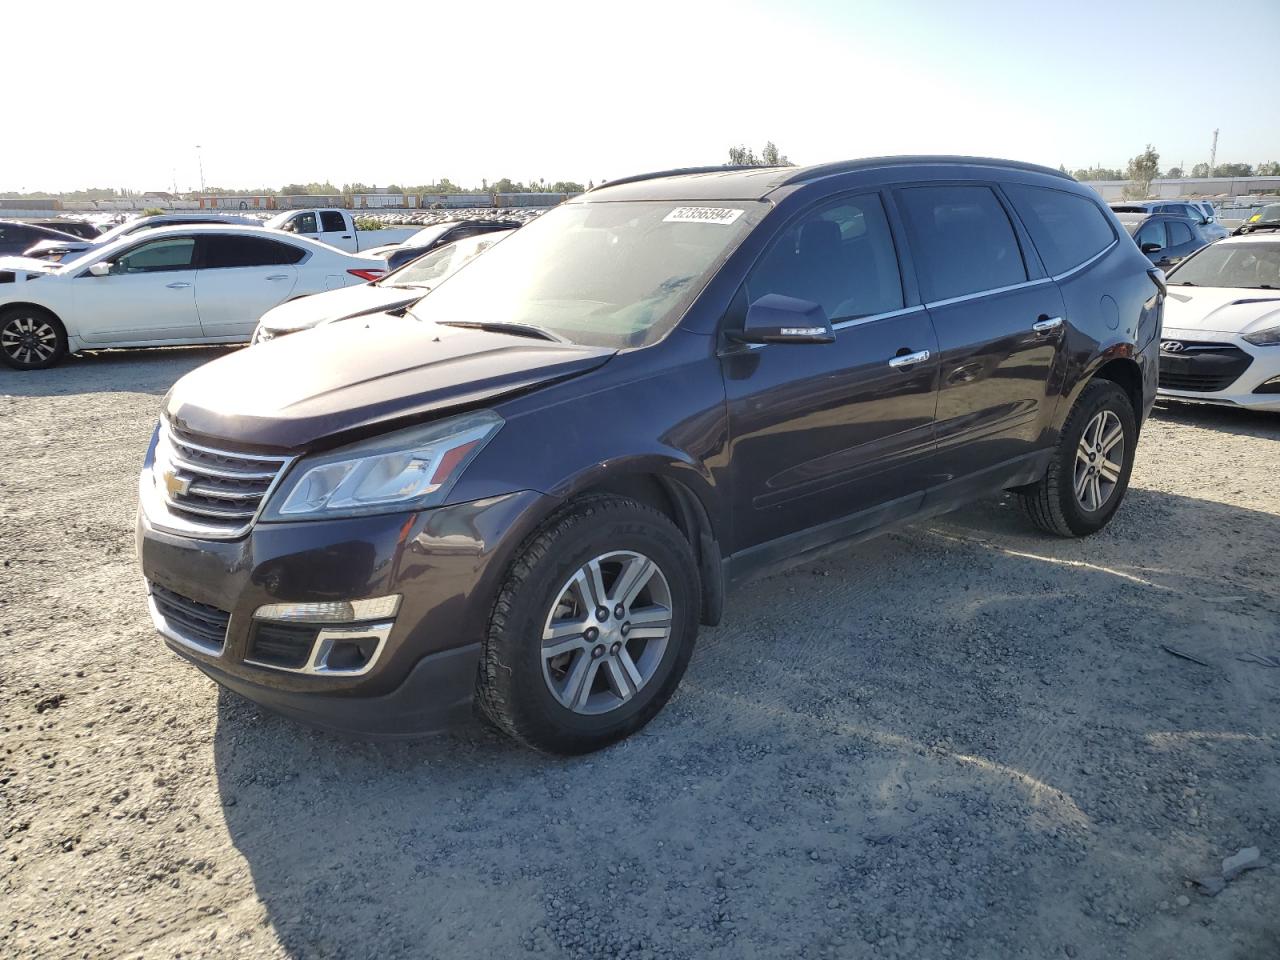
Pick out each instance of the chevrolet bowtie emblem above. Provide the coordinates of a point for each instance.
(175, 485)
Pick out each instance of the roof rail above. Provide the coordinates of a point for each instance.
(804, 174)
(675, 172)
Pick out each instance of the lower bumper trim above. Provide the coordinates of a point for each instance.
(435, 697)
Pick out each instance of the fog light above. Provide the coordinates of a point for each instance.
(331, 611)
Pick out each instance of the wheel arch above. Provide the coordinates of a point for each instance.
(681, 494)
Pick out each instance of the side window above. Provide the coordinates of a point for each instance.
(965, 241)
(235, 251)
(1179, 233)
(171, 253)
(1151, 232)
(1066, 228)
(840, 255)
(305, 223)
(332, 221)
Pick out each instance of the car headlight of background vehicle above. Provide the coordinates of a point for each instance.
(1264, 338)
(409, 469)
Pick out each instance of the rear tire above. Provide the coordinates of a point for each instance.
(1089, 473)
(31, 338)
(563, 667)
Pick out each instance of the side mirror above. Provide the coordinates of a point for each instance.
(100, 269)
(1151, 247)
(778, 319)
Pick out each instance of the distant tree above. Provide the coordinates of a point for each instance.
(770, 156)
(393, 188)
(1233, 170)
(1142, 169)
(1174, 173)
(591, 184)
(1269, 169)
(742, 156)
(566, 186)
(1200, 171)
(1062, 168)
(153, 211)
(1098, 173)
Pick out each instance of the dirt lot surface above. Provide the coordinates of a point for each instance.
(964, 740)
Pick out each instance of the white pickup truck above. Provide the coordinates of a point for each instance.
(334, 227)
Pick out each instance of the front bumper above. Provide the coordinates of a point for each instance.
(1219, 368)
(447, 564)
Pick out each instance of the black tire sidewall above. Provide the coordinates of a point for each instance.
(60, 351)
(541, 718)
(1100, 395)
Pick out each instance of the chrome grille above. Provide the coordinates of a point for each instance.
(213, 492)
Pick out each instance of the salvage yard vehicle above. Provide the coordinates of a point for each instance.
(76, 228)
(16, 236)
(1268, 218)
(531, 489)
(396, 291)
(334, 227)
(437, 235)
(163, 286)
(63, 249)
(1221, 342)
(1198, 213)
(1165, 238)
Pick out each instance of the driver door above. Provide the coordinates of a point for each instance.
(149, 294)
(827, 439)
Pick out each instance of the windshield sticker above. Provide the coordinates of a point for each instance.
(721, 215)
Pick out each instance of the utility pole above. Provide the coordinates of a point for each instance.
(200, 162)
(1213, 154)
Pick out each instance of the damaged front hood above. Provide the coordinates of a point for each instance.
(348, 379)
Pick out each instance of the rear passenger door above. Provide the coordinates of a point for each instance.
(1000, 325)
(820, 432)
(1183, 241)
(241, 277)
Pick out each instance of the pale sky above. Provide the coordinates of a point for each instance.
(297, 92)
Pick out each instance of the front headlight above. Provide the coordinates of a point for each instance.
(409, 469)
(1264, 338)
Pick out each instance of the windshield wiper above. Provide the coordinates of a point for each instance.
(503, 326)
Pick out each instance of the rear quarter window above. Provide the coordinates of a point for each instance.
(1067, 229)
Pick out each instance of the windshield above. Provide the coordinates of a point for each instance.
(1268, 214)
(430, 269)
(116, 232)
(1250, 266)
(1131, 224)
(607, 274)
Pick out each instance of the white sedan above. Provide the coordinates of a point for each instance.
(1221, 339)
(170, 285)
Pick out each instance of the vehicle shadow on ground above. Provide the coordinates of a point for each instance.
(111, 371)
(876, 748)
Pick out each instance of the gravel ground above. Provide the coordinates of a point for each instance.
(961, 740)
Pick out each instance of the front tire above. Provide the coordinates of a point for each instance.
(592, 629)
(31, 338)
(1089, 473)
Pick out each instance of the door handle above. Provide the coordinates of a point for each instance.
(1047, 325)
(909, 359)
(177, 284)
(278, 276)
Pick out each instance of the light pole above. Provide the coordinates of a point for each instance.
(200, 163)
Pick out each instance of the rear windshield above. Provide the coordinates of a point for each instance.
(617, 274)
(1250, 266)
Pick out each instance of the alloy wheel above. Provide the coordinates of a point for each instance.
(606, 633)
(29, 339)
(1099, 460)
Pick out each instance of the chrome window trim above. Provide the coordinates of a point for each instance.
(987, 293)
(1097, 256)
(317, 660)
(873, 317)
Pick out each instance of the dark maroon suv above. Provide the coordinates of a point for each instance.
(527, 492)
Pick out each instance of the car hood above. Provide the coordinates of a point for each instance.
(306, 312)
(24, 265)
(1227, 310)
(41, 247)
(350, 379)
